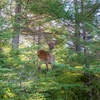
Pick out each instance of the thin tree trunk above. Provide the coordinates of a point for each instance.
(15, 41)
(86, 54)
(86, 62)
(39, 37)
(77, 28)
(0, 38)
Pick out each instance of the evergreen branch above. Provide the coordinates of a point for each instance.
(93, 10)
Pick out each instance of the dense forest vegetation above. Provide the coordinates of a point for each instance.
(70, 65)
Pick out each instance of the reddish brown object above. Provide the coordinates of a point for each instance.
(46, 56)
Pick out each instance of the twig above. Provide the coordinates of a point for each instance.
(21, 74)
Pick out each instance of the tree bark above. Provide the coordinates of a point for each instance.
(15, 41)
(39, 37)
(77, 28)
(0, 39)
(86, 54)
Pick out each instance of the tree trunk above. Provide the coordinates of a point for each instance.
(77, 28)
(39, 37)
(0, 38)
(86, 54)
(15, 41)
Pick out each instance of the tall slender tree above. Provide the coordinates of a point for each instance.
(77, 26)
(0, 38)
(15, 41)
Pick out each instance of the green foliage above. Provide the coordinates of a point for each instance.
(91, 26)
(3, 3)
(75, 74)
(53, 8)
